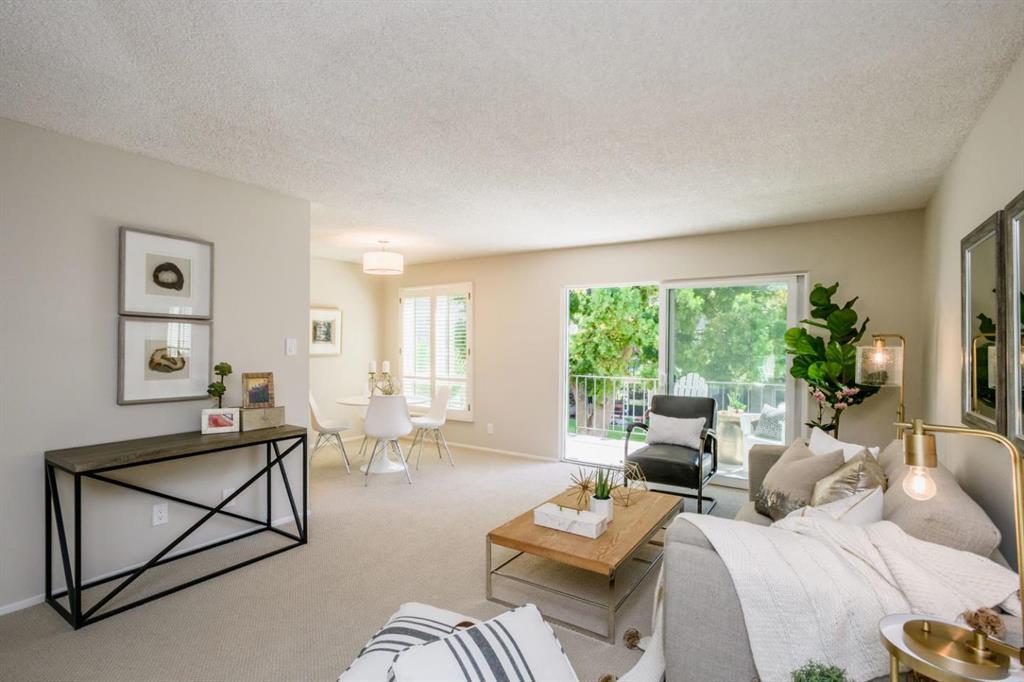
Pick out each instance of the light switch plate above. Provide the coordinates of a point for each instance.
(291, 346)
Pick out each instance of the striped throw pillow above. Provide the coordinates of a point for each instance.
(517, 646)
(411, 626)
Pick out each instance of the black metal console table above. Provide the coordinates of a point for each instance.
(94, 461)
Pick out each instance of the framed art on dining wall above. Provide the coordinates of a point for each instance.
(163, 360)
(324, 331)
(163, 275)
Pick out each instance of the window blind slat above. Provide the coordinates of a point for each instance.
(435, 341)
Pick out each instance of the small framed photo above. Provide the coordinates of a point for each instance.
(221, 420)
(163, 360)
(257, 389)
(162, 275)
(324, 331)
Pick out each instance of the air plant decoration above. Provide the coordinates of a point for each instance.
(599, 484)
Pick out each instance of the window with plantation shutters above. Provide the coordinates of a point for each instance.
(436, 344)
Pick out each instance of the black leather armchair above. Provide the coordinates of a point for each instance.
(676, 465)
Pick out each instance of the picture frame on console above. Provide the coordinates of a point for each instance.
(163, 275)
(221, 420)
(257, 389)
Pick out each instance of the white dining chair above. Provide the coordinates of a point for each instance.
(328, 431)
(430, 425)
(387, 420)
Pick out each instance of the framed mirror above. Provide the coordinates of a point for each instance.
(1013, 222)
(982, 281)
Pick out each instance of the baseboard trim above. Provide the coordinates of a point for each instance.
(510, 453)
(40, 598)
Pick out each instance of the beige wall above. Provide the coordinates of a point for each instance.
(337, 284)
(986, 174)
(61, 202)
(517, 306)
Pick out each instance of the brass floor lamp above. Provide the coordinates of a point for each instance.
(938, 649)
(882, 365)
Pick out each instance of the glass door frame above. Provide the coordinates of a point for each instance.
(795, 311)
(563, 351)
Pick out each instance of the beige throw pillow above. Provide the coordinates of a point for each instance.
(789, 484)
(950, 518)
(861, 472)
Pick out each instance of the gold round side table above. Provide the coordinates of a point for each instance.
(900, 650)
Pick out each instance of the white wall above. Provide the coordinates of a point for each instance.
(61, 202)
(337, 284)
(986, 174)
(517, 306)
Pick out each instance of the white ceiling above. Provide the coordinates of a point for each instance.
(457, 129)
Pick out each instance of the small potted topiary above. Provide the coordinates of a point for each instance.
(217, 388)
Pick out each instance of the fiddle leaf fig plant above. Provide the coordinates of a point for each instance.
(829, 363)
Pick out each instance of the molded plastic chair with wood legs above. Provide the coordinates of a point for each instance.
(328, 431)
(430, 424)
(387, 420)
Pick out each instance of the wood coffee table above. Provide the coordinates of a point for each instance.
(631, 529)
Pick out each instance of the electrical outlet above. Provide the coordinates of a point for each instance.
(160, 514)
(291, 346)
(490, 428)
(224, 496)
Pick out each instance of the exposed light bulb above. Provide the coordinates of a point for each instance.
(880, 357)
(918, 484)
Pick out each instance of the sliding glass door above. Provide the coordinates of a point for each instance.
(724, 339)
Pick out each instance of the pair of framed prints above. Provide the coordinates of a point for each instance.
(165, 326)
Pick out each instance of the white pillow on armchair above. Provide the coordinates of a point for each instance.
(675, 431)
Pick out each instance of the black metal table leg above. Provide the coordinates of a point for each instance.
(78, 551)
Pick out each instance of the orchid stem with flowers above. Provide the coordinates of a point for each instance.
(829, 365)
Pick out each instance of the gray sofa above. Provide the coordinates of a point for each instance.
(702, 608)
(704, 632)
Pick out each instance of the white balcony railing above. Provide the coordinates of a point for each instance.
(604, 406)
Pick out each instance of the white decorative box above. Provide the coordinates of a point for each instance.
(585, 523)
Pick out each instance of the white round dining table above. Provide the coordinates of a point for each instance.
(364, 401)
(382, 464)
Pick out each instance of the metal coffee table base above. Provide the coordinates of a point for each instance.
(610, 606)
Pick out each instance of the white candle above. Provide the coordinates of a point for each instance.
(385, 366)
(373, 366)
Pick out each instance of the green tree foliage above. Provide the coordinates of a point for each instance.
(616, 331)
(728, 333)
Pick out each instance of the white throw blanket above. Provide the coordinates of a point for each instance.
(815, 589)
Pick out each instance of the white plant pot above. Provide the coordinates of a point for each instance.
(602, 507)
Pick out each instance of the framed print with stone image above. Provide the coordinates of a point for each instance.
(164, 275)
(257, 389)
(324, 331)
(163, 360)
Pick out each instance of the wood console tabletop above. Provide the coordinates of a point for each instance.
(142, 450)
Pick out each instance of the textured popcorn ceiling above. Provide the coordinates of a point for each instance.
(456, 129)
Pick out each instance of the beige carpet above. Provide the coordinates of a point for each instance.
(304, 614)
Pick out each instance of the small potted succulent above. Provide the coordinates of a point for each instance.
(601, 501)
(217, 388)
